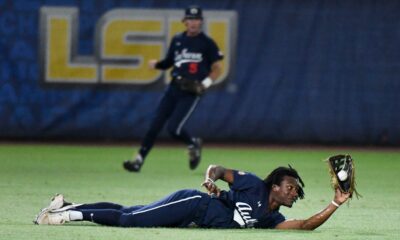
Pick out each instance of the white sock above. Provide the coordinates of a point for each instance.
(139, 158)
(75, 215)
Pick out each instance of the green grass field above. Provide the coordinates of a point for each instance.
(30, 174)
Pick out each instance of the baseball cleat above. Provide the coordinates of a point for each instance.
(42, 218)
(56, 202)
(52, 218)
(195, 154)
(132, 166)
(135, 165)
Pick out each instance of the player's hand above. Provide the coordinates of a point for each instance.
(152, 64)
(340, 197)
(212, 189)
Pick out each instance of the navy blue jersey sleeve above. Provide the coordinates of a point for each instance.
(244, 181)
(213, 53)
(271, 220)
(276, 219)
(168, 61)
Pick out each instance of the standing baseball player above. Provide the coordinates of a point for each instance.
(250, 203)
(195, 59)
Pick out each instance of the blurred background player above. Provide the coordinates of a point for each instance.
(193, 56)
(250, 203)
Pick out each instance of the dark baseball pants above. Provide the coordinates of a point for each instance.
(176, 106)
(176, 210)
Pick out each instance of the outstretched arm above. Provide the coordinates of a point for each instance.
(319, 218)
(215, 173)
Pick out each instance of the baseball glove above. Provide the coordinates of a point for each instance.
(342, 171)
(191, 86)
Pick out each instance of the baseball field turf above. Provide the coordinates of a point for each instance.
(31, 173)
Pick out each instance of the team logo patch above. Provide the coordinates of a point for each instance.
(241, 173)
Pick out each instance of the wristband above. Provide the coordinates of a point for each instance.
(207, 82)
(209, 180)
(334, 203)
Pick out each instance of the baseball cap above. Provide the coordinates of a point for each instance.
(193, 12)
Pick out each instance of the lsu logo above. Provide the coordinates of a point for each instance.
(125, 40)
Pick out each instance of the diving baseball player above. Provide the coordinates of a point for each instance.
(250, 203)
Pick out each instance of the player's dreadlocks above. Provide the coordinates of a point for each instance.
(276, 177)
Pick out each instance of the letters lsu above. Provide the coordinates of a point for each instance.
(125, 39)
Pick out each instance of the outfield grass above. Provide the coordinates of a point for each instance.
(31, 174)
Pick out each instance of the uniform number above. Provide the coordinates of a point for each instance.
(193, 68)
